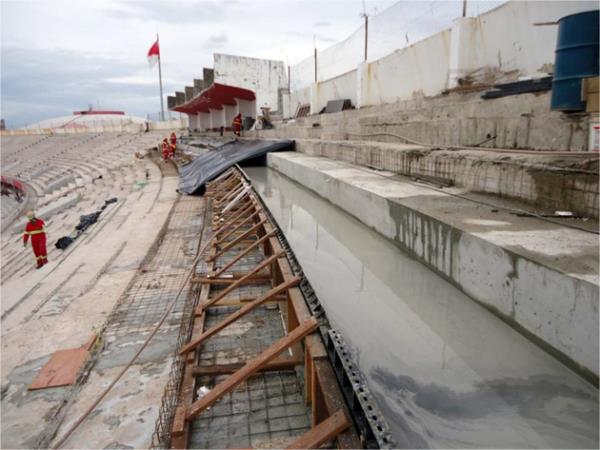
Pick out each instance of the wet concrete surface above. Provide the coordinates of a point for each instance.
(446, 372)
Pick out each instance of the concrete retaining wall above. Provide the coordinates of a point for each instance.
(537, 180)
(556, 309)
(518, 122)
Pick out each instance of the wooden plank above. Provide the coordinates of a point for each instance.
(234, 217)
(61, 369)
(238, 314)
(178, 426)
(244, 253)
(240, 281)
(236, 228)
(251, 368)
(227, 302)
(325, 431)
(280, 363)
(259, 279)
(230, 195)
(327, 398)
(237, 240)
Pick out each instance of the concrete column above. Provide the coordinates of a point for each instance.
(189, 93)
(203, 121)
(230, 112)
(314, 98)
(286, 109)
(192, 122)
(362, 84)
(247, 108)
(462, 49)
(216, 118)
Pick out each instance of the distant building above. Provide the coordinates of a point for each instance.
(2, 125)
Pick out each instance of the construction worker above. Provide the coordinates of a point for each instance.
(35, 229)
(166, 149)
(237, 124)
(173, 144)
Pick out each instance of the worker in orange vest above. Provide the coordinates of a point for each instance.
(35, 229)
(237, 124)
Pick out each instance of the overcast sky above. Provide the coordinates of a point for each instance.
(60, 56)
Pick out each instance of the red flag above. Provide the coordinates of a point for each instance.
(153, 54)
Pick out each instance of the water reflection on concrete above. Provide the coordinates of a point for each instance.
(446, 373)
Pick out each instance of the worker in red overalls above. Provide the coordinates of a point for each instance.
(35, 229)
(166, 149)
(173, 144)
(237, 124)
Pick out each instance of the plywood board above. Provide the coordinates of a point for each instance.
(62, 369)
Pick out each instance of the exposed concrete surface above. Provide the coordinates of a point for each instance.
(537, 275)
(546, 182)
(61, 305)
(518, 122)
(128, 414)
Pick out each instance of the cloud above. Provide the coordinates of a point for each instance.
(171, 12)
(216, 41)
(40, 84)
(321, 24)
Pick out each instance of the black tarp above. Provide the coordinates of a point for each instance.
(192, 176)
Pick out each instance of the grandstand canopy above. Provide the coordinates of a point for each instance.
(215, 97)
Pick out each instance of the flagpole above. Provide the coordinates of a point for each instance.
(162, 106)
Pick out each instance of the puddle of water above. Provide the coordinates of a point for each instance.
(446, 372)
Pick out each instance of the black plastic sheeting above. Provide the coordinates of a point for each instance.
(194, 175)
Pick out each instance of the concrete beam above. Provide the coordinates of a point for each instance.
(171, 101)
(198, 86)
(209, 76)
(189, 93)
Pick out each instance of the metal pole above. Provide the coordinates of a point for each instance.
(464, 8)
(366, 34)
(315, 64)
(162, 106)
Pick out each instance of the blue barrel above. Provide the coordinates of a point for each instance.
(576, 58)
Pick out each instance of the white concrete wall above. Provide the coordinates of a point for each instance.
(400, 25)
(247, 108)
(299, 97)
(506, 38)
(340, 87)
(502, 43)
(417, 70)
(264, 77)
